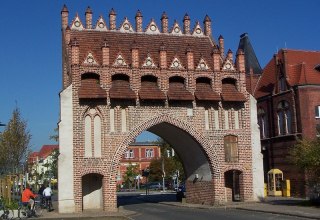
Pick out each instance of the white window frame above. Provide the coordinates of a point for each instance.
(149, 153)
(317, 111)
(129, 154)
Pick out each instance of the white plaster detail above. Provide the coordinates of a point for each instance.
(90, 60)
(236, 119)
(228, 65)
(216, 119)
(257, 156)
(120, 61)
(176, 30)
(197, 31)
(206, 119)
(152, 28)
(226, 119)
(111, 120)
(148, 62)
(66, 201)
(123, 120)
(77, 24)
(189, 112)
(176, 64)
(92, 111)
(97, 136)
(101, 25)
(87, 137)
(202, 65)
(126, 26)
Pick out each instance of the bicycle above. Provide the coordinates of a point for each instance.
(5, 211)
(25, 211)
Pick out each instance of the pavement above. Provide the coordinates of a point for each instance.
(276, 205)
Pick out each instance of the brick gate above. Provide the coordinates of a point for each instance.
(119, 81)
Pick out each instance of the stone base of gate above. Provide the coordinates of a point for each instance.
(200, 192)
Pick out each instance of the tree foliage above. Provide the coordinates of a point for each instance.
(306, 155)
(172, 164)
(130, 175)
(14, 143)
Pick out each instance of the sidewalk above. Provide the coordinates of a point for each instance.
(275, 205)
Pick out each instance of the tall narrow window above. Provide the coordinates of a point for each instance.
(87, 137)
(283, 85)
(231, 148)
(317, 111)
(262, 121)
(284, 118)
(97, 136)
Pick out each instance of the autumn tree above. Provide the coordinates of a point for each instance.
(14, 143)
(306, 155)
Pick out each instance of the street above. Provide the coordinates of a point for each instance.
(151, 207)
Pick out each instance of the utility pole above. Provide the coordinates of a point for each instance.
(163, 175)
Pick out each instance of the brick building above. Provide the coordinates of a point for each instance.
(288, 104)
(176, 82)
(140, 154)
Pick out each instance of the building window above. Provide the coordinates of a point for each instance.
(262, 121)
(149, 153)
(129, 154)
(284, 118)
(317, 111)
(282, 85)
(231, 148)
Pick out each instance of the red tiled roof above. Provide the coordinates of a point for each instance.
(177, 91)
(299, 67)
(90, 88)
(150, 91)
(231, 94)
(204, 92)
(120, 89)
(46, 150)
(33, 157)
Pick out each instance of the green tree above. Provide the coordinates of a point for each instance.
(306, 155)
(14, 143)
(171, 163)
(130, 174)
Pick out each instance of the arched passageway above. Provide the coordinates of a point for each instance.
(92, 191)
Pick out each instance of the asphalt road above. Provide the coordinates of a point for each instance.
(147, 208)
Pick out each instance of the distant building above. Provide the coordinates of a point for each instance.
(140, 154)
(38, 163)
(288, 105)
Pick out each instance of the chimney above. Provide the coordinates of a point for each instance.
(240, 61)
(139, 21)
(134, 55)
(112, 19)
(186, 24)
(190, 61)
(207, 26)
(163, 57)
(64, 17)
(88, 15)
(105, 53)
(230, 55)
(74, 52)
(164, 22)
(216, 59)
(221, 45)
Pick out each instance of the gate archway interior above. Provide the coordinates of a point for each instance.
(92, 197)
(233, 182)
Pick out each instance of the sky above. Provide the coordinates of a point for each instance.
(30, 52)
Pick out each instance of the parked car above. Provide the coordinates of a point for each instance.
(155, 186)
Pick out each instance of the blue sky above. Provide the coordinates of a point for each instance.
(30, 53)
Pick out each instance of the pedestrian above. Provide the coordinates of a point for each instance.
(40, 193)
(47, 193)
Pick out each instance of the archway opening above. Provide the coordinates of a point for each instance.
(233, 185)
(92, 197)
(198, 178)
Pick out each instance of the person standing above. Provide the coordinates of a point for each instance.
(47, 193)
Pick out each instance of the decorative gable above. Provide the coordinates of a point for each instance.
(176, 29)
(202, 65)
(228, 65)
(120, 61)
(101, 24)
(176, 64)
(148, 62)
(126, 26)
(197, 31)
(90, 60)
(152, 28)
(77, 24)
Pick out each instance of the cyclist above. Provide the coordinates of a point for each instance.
(40, 193)
(47, 192)
(28, 197)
